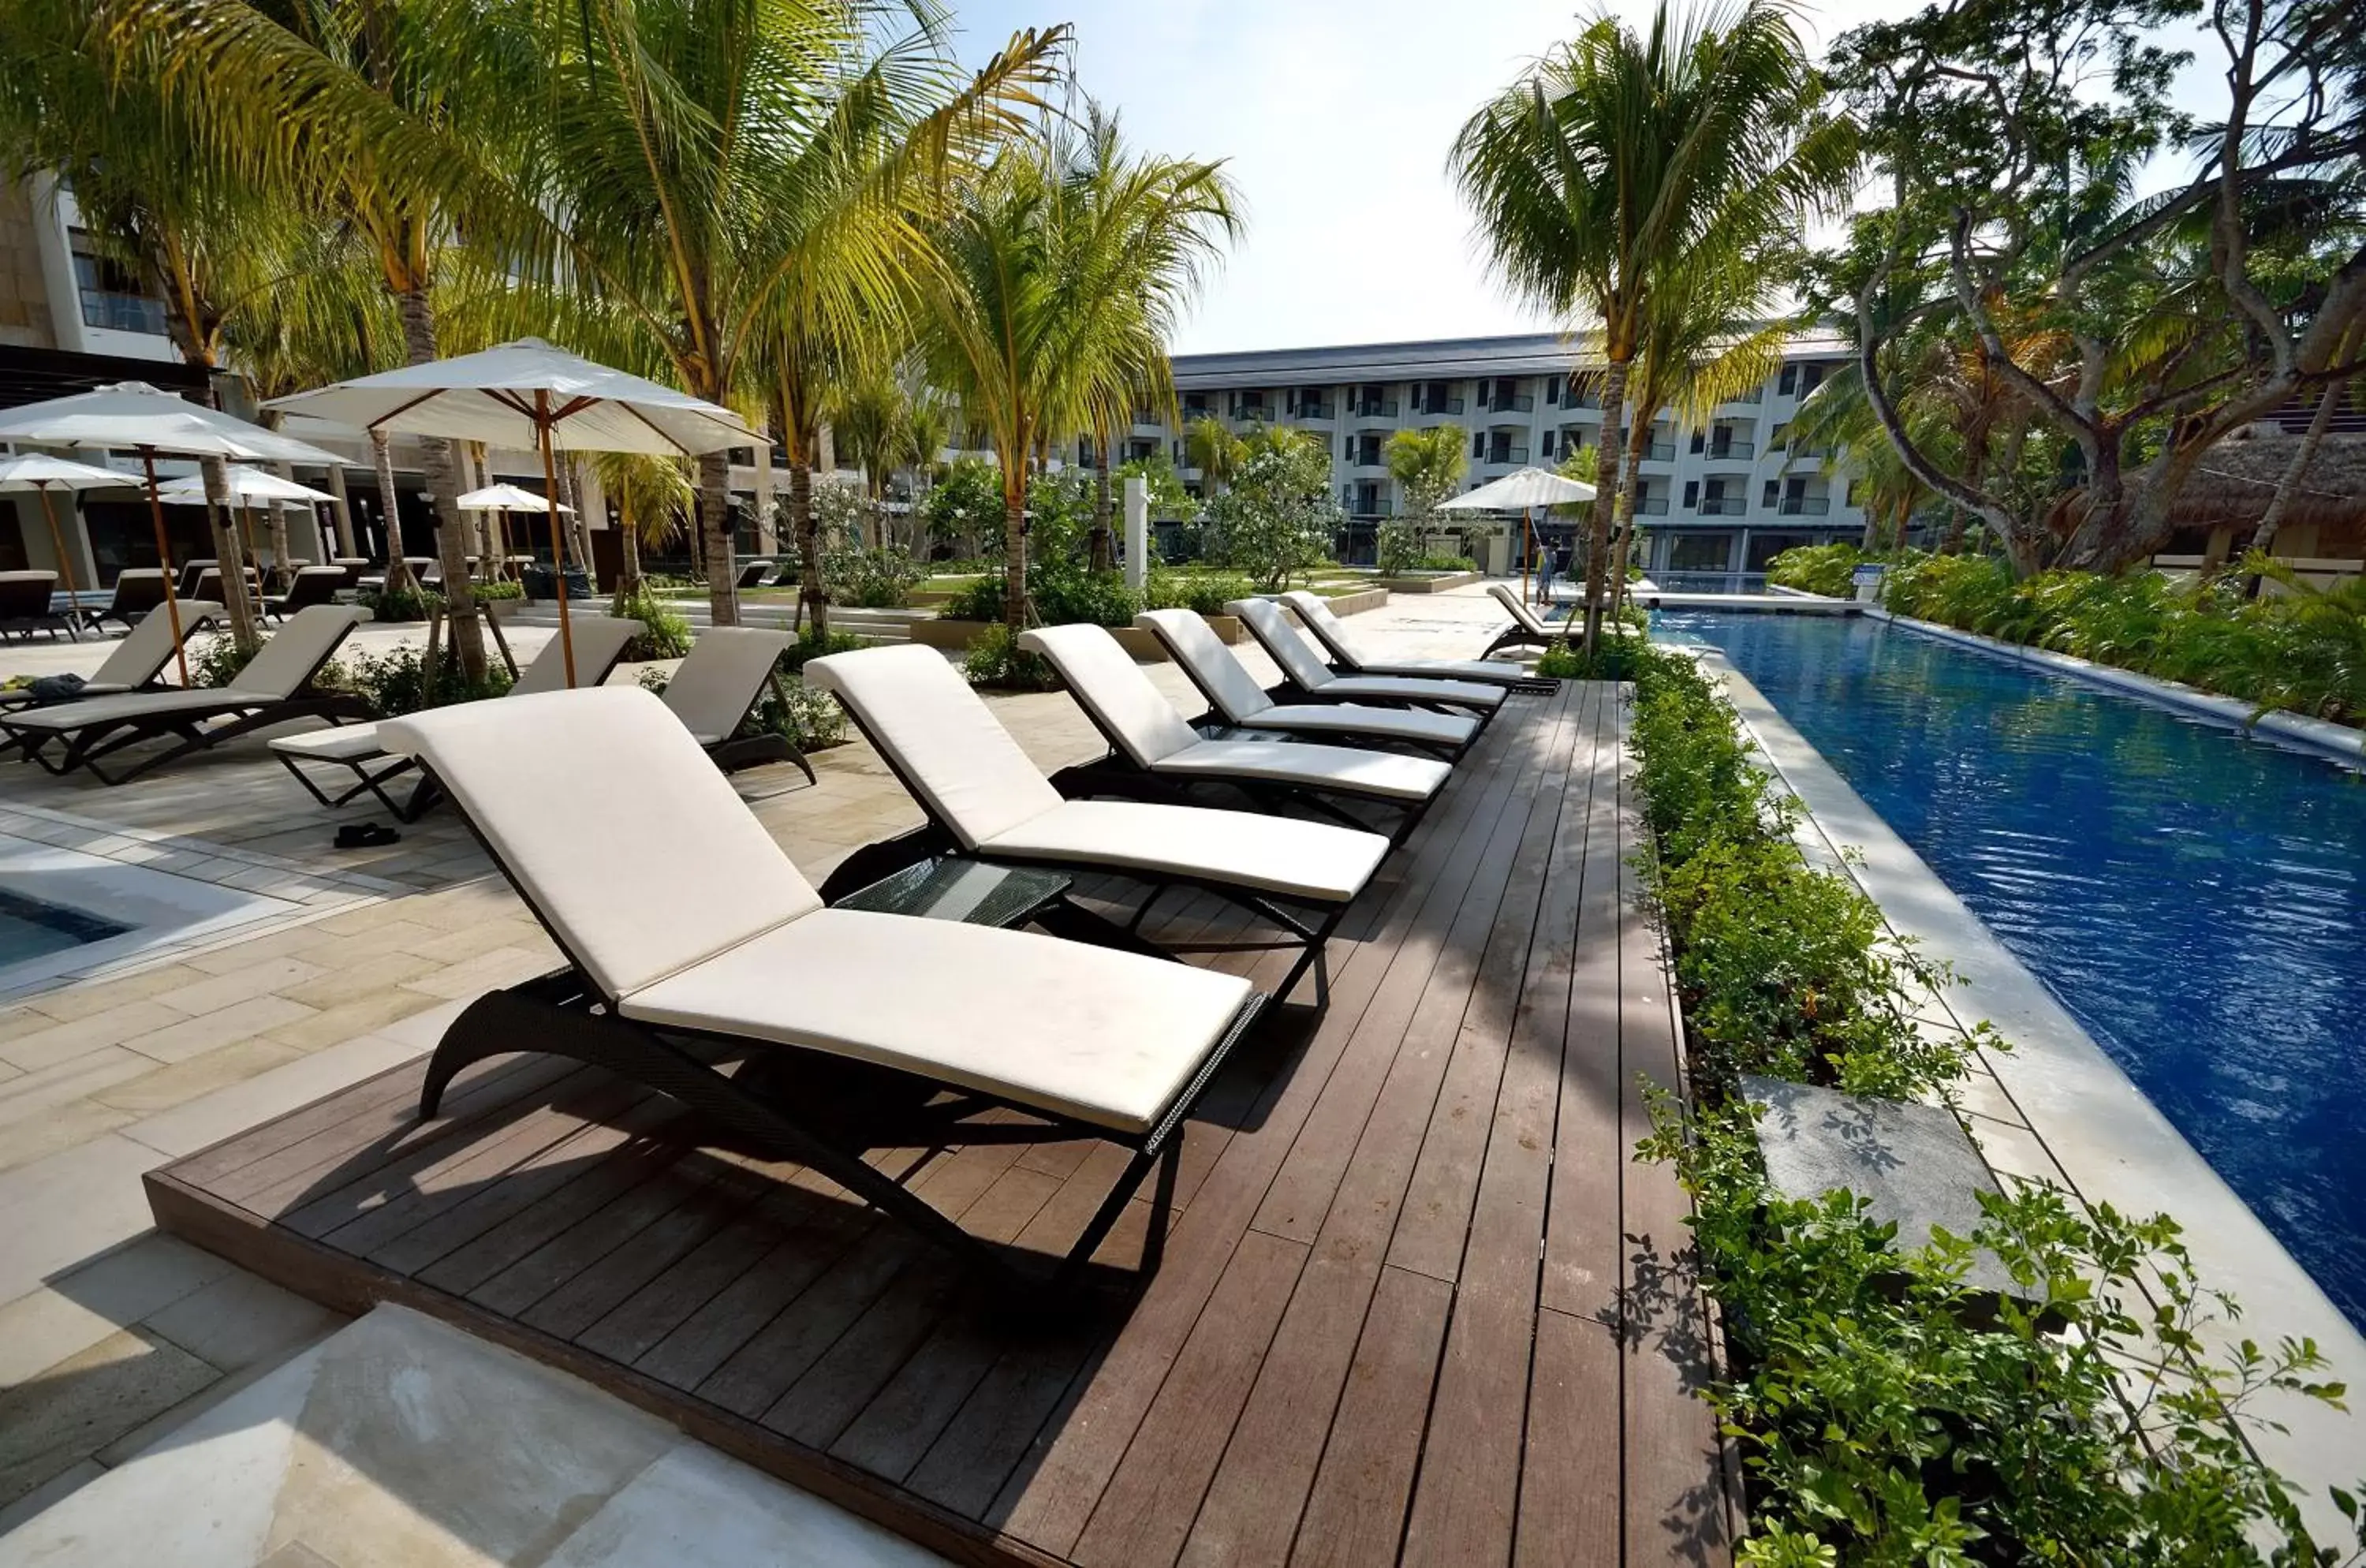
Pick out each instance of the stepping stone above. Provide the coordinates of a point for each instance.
(1912, 1164)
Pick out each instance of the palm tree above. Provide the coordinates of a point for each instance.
(1138, 232)
(870, 422)
(1615, 151)
(742, 179)
(1210, 445)
(651, 494)
(1428, 464)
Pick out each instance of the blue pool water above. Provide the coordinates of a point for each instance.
(31, 929)
(2196, 899)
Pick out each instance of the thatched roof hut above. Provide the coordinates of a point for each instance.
(2237, 479)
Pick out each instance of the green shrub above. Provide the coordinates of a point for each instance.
(1437, 560)
(1205, 592)
(1883, 1416)
(1396, 548)
(215, 661)
(1561, 662)
(665, 632)
(1063, 595)
(501, 588)
(395, 682)
(812, 720)
(870, 579)
(996, 659)
(812, 644)
(1829, 569)
(403, 603)
(2303, 650)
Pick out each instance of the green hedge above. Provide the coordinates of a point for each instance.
(2303, 650)
(1881, 1416)
(1828, 570)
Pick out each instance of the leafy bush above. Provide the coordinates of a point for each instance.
(1205, 592)
(665, 631)
(403, 603)
(879, 578)
(812, 645)
(500, 588)
(2301, 650)
(996, 659)
(981, 601)
(1441, 560)
(812, 720)
(1881, 1416)
(1561, 662)
(1397, 546)
(395, 682)
(1828, 570)
(1279, 517)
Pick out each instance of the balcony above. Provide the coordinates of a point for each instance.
(1375, 407)
(1652, 506)
(1659, 452)
(1805, 505)
(1519, 402)
(1438, 405)
(1721, 451)
(1723, 506)
(1147, 419)
(1371, 507)
(1506, 455)
(1313, 410)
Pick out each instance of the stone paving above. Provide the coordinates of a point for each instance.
(111, 1332)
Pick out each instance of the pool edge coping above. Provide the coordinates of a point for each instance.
(2103, 1135)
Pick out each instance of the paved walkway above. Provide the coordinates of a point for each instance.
(110, 1333)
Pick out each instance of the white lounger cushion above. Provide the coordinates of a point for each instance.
(940, 736)
(1353, 718)
(1105, 1036)
(1383, 773)
(1520, 613)
(549, 778)
(1330, 631)
(1278, 855)
(147, 648)
(1103, 677)
(135, 705)
(712, 689)
(293, 656)
(1300, 663)
(339, 743)
(1229, 685)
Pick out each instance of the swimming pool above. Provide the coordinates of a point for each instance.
(32, 929)
(2196, 898)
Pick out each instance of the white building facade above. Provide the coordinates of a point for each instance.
(1722, 497)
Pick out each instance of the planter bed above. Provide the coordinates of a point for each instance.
(1432, 581)
(959, 635)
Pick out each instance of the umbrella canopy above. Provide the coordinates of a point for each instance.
(39, 470)
(506, 497)
(1518, 492)
(247, 487)
(135, 416)
(511, 395)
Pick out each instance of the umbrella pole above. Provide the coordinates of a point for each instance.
(164, 560)
(557, 538)
(65, 567)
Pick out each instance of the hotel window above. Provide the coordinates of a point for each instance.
(1790, 382)
(1692, 494)
(1774, 492)
(111, 295)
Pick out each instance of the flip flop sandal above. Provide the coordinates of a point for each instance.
(366, 835)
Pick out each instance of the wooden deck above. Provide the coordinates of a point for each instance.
(1417, 1304)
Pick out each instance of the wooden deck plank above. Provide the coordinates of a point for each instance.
(1388, 1326)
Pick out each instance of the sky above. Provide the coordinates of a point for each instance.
(1334, 118)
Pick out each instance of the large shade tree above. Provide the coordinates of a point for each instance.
(1619, 150)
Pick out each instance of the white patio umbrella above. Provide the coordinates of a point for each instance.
(502, 500)
(1519, 491)
(528, 393)
(135, 416)
(39, 471)
(248, 487)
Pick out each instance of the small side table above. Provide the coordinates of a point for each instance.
(945, 888)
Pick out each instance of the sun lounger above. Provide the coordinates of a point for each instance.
(1525, 630)
(706, 940)
(714, 690)
(1151, 743)
(971, 779)
(138, 590)
(273, 689)
(753, 573)
(1234, 696)
(138, 660)
(209, 586)
(1317, 615)
(27, 604)
(360, 750)
(313, 585)
(1315, 681)
(187, 588)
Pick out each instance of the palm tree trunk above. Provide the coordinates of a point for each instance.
(1608, 497)
(715, 526)
(451, 534)
(1626, 524)
(1104, 551)
(237, 607)
(341, 514)
(398, 570)
(2263, 539)
(1014, 546)
(628, 543)
(578, 525)
(813, 598)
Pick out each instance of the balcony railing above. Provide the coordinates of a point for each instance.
(1519, 402)
(1659, 452)
(1439, 405)
(1312, 410)
(1257, 412)
(1375, 407)
(1652, 506)
(1366, 456)
(1731, 449)
(1506, 455)
(1723, 506)
(1805, 505)
(1371, 507)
